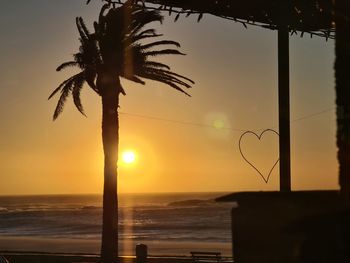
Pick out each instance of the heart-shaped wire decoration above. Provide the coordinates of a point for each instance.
(266, 179)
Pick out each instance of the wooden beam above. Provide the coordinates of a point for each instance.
(283, 107)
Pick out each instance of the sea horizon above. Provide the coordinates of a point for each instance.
(163, 220)
(122, 193)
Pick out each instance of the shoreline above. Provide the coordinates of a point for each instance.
(25, 257)
(44, 245)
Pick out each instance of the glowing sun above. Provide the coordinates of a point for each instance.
(129, 157)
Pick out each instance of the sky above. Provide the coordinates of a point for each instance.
(182, 144)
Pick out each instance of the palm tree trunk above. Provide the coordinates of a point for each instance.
(110, 137)
(341, 66)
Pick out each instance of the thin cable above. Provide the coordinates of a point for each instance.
(179, 122)
(313, 114)
(292, 122)
(223, 128)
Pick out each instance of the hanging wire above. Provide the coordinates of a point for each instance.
(178, 122)
(305, 117)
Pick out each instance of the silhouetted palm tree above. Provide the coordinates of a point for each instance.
(114, 50)
(341, 66)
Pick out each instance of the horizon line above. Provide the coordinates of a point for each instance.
(127, 193)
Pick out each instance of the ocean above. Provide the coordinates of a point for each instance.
(142, 217)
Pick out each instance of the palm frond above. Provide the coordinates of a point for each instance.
(78, 85)
(142, 18)
(141, 15)
(136, 38)
(161, 42)
(163, 80)
(62, 85)
(163, 52)
(169, 78)
(89, 55)
(58, 88)
(142, 35)
(170, 73)
(103, 9)
(83, 37)
(147, 32)
(66, 64)
(122, 91)
(84, 27)
(134, 79)
(66, 90)
(156, 65)
(60, 103)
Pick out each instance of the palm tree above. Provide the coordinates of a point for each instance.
(342, 52)
(112, 51)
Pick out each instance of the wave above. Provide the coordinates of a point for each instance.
(193, 202)
(146, 218)
(3, 209)
(90, 207)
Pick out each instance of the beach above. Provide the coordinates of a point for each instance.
(56, 226)
(71, 246)
(26, 250)
(75, 258)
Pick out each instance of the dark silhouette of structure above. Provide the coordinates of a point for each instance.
(290, 227)
(342, 81)
(112, 51)
(141, 251)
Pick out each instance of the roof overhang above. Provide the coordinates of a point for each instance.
(304, 16)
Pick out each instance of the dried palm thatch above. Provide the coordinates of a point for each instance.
(315, 17)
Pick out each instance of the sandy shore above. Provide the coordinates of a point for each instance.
(73, 258)
(163, 248)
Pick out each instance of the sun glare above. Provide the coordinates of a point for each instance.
(128, 157)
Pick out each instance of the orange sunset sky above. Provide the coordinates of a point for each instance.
(235, 70)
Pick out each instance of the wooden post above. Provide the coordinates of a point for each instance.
(342, 81)
(283, 107)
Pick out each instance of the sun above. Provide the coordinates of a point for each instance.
(129, 157)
